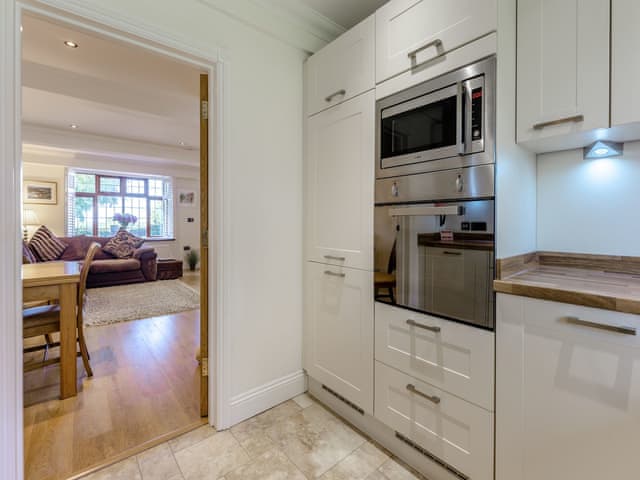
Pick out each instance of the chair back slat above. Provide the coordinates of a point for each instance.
(84, 273)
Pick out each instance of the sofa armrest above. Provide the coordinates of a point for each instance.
(145, 253)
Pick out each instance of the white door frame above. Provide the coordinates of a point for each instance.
(111, 24)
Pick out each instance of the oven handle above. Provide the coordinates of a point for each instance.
(460, 120)
(422, 211)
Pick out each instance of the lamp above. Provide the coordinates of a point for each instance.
(29, 219)
(603, 149)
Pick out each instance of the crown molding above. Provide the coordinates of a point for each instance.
(289, 21)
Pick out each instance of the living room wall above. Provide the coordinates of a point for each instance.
(52, 168)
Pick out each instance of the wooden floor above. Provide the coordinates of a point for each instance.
(145, 385)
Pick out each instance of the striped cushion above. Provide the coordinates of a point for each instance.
(27, 254)
(46, 245)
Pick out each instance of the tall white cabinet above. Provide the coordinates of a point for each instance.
(339, 179)
(625, 62)
(562, 68)
(567, 391)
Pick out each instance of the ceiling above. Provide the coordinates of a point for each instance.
(106, 88)
(345, 13)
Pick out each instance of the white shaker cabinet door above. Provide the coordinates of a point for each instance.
(625, 62)
(338, 331)
(339, 184)
(411, 33)
(562, 68)
(342, 69)
(567, 392)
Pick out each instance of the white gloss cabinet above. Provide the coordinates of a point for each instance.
(625, 62)
(343, 69)
(567, 393)
(338, 331)
(562, 68)
(339, 184)
(411, 33)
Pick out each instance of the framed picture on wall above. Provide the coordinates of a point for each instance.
(187, 198)
(43, 193)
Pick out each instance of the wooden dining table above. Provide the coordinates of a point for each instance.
(58, 281)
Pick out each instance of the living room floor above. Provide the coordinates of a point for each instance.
(145, 386)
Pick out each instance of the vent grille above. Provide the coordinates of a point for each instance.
(344, 400)
(432, 457)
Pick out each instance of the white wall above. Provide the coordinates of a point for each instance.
(589, 206)
(262, 287)
(50, 215)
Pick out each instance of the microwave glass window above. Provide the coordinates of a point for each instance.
(425, 128)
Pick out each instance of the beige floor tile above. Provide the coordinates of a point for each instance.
(124, 470)
(393, 469)
(258, 444)
(191, 438)
(359, 465)
(304, 400)
(211, 458)
(315, 440)
(248, 428)
(158, 463)
(272, 465)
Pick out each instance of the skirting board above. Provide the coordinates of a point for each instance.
(380, 433)
(262, 398)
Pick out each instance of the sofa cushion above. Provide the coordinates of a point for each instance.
(114, 265)
(46, 245)
(28, 256)
(123, 244)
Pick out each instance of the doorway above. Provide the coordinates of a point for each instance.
(100, 422)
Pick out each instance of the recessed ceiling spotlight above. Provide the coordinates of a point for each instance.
(182, 143)
(73, 126)
(70, 44)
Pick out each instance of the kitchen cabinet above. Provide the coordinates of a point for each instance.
(410, 34)
(449, 428)
(338, 331)
(567, 391)
(562, 71)
(456, 358)
(343, 69)
(625, 62)
(339, 184)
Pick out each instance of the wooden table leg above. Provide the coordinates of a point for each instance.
(68, 299)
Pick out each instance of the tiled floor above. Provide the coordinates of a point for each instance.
(298, 439)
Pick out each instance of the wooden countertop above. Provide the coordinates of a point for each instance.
(608, 282)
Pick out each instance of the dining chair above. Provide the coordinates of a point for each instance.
(45, 320)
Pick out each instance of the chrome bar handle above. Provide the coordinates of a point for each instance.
(334, 274)
(623, 329)
(468, 120)
(448, 252)
(432, 398)
(335, 94)
(413, 323)
(560, 121)
(331, 257)
(459, 123)
(433, 43)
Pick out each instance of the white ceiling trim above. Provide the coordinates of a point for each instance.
(287, 20)
(39, 139)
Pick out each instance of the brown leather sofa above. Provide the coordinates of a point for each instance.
(107, 270)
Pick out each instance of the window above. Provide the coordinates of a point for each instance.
(94, 198)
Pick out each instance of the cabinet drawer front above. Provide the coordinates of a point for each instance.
(458, 358)
(338, 331)
(455, 431)
(339, 184)
(429, 28)
(342, 69)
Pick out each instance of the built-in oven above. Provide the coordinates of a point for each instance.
(440, 124)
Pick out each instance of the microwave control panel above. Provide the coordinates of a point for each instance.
(476, 114)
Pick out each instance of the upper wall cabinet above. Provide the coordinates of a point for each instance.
(339, 184)
(343, 69)
(625, 62)
(411, 34)
(563, 71)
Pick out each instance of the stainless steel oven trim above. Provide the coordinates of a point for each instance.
(450, 91)
(448, 157)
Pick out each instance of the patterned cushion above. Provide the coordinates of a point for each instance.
(27, 254)
(123, 244)
(46, 245)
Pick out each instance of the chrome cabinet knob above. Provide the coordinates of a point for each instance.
(459, 184)
(394, 190)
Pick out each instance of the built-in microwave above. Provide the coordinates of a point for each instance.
(444, 123)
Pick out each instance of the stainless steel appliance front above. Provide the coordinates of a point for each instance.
(445, 123)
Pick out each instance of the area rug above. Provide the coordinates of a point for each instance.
(140, 300)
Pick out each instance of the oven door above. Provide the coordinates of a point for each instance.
(413, 269)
